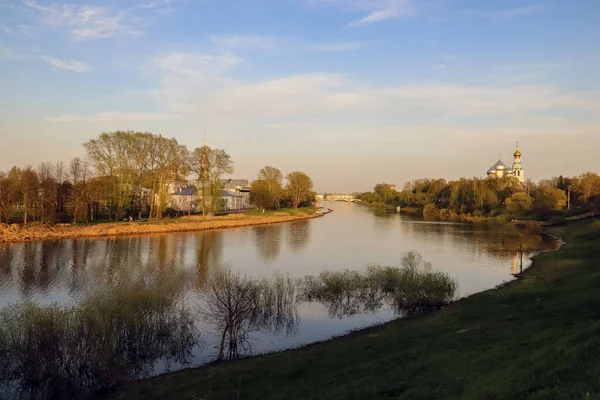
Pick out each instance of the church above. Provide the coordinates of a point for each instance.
(500, 169)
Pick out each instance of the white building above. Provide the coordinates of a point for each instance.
(500, 169)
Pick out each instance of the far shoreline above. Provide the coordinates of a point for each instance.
(16, 234)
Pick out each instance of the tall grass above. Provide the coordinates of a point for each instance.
(56, 352)
(411, 288)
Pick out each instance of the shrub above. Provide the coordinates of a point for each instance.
(430, 211)
(411, 288)
(112, 337)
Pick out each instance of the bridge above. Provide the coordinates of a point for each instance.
(347, 197)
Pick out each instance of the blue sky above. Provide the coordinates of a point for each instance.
(353, 92)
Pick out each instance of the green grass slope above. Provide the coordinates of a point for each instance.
(535, 338)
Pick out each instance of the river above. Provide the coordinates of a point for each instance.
(352, 237)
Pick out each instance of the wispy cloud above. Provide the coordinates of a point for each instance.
(335, 47)
(517, 12)
(5, 29)
(234, 42)
(113, 116)
(85, 22)
(74, 66)
(376, 10)
(509, 13)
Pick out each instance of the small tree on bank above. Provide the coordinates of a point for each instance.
(299, 187)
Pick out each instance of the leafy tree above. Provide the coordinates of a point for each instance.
(260, 194)
(299, 187)
(589, 186)
(386, 192)
(273, 179)
(519, 203)
(549, 198)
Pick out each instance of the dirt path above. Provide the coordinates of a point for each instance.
(15, 233)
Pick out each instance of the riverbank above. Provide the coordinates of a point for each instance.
(535, 337)
(15, 233)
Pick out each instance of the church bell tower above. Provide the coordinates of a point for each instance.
(519, 173)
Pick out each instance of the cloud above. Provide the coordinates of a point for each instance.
(335, 47)
(196, 66)
(234, 42)
(85, 22)
(376, 10)
(509, 12)
(516, 12)
(197, 84)
(113, 116)
(74, 66)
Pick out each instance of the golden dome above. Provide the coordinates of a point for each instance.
(517, 152)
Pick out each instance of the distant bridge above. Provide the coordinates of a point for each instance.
(347, 197)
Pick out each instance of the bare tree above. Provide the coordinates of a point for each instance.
(76, 170)
(209, 166)
(29, 184)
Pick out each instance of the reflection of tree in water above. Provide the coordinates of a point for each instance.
(412, 288)
(298, 234)
(112, 337)
(238, 305)
(28, 279)
(209, 251)
(6, 261)
(268, 241)
(80, 251)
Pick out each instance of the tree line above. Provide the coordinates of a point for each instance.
(268, 190)
(130, 174)
(490, 197)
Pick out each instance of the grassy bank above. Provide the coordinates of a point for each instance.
(538, 337)
(16, 233)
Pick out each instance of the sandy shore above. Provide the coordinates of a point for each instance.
(15, 233)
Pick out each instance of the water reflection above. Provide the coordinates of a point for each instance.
(209, 251)
(268, 241)
(237, 306)
(298, 235)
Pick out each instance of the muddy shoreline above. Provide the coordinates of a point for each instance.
(15, 233)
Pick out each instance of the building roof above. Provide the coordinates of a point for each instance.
(229, 193)
(189, 191)
(231, 183)
(499, 166)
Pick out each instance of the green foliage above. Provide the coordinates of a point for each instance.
(519, 203)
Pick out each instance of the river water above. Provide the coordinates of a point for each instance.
(352, 237)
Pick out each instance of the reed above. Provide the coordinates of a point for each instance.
(52, 352)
